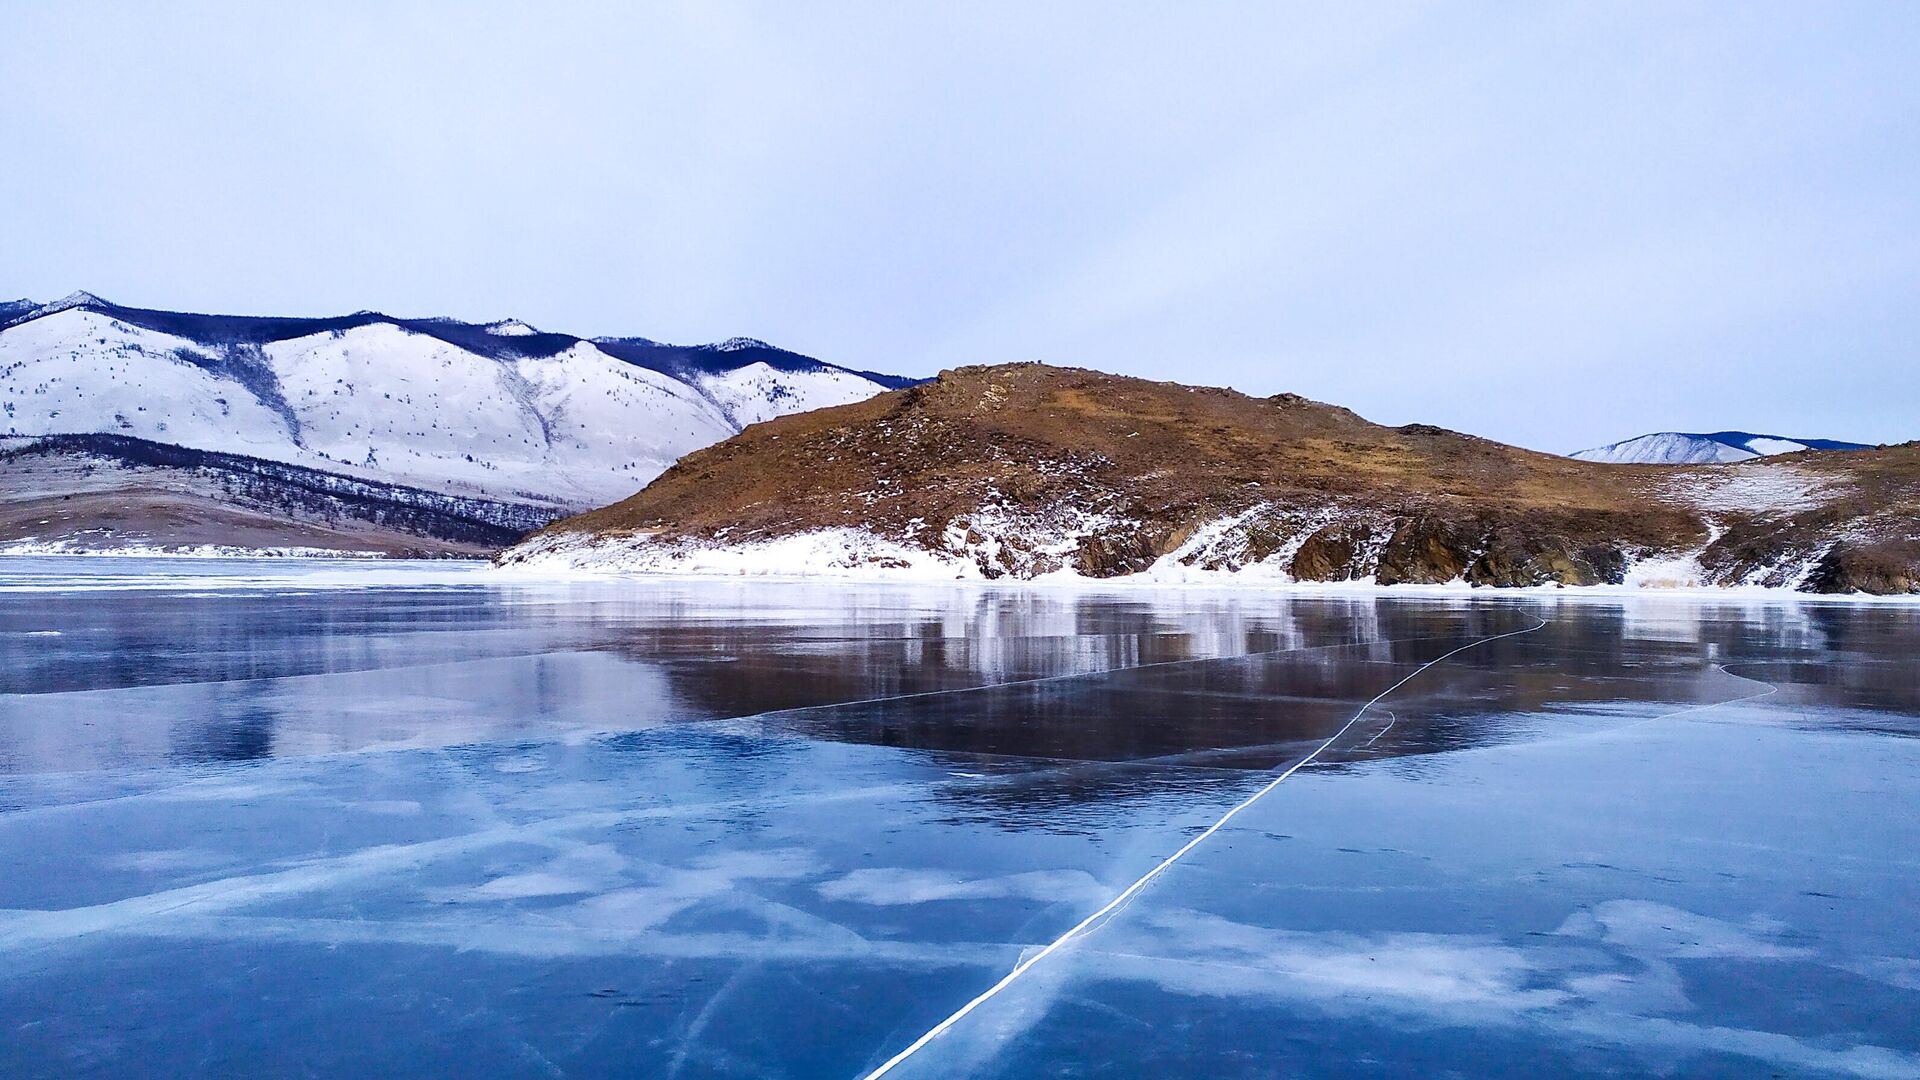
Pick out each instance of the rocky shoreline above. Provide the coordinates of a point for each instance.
(1027, 471)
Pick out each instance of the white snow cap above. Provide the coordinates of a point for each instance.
(510, 328)
(74, 299)
(1688, 448)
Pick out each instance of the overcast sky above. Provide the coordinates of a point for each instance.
(1553, 225)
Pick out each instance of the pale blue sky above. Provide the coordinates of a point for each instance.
(1556, 225)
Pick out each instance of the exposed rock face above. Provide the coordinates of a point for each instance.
(1333, 553)
(1117, 552)
(1024, 470)
(1427, 550)
(1883, 569)
(1433, 548)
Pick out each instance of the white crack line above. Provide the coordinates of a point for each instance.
(1087, 924)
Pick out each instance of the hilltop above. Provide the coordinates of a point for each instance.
(1029, 470)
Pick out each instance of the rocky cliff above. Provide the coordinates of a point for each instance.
(1029, 470)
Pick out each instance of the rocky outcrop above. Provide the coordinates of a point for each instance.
(1431, 548)
(1330, 553)
(1426, 551)
(1883, 569)
(1119, 551)
(1515, 556)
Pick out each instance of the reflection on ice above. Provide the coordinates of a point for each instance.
(711, 829)
(1643, 904)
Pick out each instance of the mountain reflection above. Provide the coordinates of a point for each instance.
(1066, 686)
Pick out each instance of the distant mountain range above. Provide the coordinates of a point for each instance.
(496, 412)
(1694, 448)
(498, 409)
(1029, 471)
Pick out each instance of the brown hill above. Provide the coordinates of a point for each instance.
(1027, 469)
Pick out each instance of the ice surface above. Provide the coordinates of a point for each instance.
(326, 819)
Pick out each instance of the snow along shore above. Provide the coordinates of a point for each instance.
(858, 555)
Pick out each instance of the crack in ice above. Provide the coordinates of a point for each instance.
(1091, 922)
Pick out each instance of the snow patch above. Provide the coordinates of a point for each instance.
(1765, 445)
(759, 391)
(1665, 572)
(850, 553)
(1756, 488)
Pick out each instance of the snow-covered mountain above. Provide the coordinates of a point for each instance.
(501, 410)
(1693, 448)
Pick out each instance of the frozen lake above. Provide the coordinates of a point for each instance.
(315, 819)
